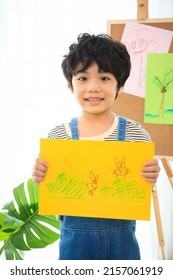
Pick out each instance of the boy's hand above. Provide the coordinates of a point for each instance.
(39, 170)
(151, 171)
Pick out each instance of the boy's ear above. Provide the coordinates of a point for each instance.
(69, 87)
(118, 92)
(121, 89)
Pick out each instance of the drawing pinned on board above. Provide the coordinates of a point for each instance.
(159, 89)
(141, 40)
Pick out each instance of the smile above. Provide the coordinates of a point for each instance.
(93, 99)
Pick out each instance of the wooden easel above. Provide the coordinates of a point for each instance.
(142, 14)
(168, 170)
(169, 173)
(158, 221)
(142, 10)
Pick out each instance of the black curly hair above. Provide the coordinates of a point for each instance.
(111, 56)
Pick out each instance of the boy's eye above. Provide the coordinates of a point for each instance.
(82, 78)
(105, 78)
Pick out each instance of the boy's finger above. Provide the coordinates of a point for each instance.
(41, 162)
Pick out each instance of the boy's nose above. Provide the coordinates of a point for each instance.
(93, 87)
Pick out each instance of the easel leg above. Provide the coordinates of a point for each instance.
(168, 170)
(158, 221)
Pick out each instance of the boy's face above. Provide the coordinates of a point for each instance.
(94, 89)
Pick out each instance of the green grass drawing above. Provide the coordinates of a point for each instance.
(73, 188)
(67, 187)
(122, 189)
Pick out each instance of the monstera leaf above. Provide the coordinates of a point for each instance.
(21, 227)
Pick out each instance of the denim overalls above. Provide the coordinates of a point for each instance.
(98, 238)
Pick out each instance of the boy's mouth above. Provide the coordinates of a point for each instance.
(94, 99)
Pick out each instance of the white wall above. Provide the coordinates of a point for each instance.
(34, 34)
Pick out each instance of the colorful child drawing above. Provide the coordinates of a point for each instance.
(95, 179)
(159, 89)
(140, 40)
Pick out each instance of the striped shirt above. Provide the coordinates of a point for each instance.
(134, 132)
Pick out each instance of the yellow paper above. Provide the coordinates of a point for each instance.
(95, 179)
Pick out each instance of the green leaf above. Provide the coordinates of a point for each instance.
(8, 225)
(11, 253)
(37, 231)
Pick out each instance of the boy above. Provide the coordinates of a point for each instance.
(96, 69)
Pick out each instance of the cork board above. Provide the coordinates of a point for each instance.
(132, 106)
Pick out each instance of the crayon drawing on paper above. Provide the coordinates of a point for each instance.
(141, 39)
(95, 179)
(159, 89)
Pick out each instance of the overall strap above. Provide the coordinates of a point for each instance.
(121, 128)
(74, 130)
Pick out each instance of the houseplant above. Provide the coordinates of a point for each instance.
(21, 227)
